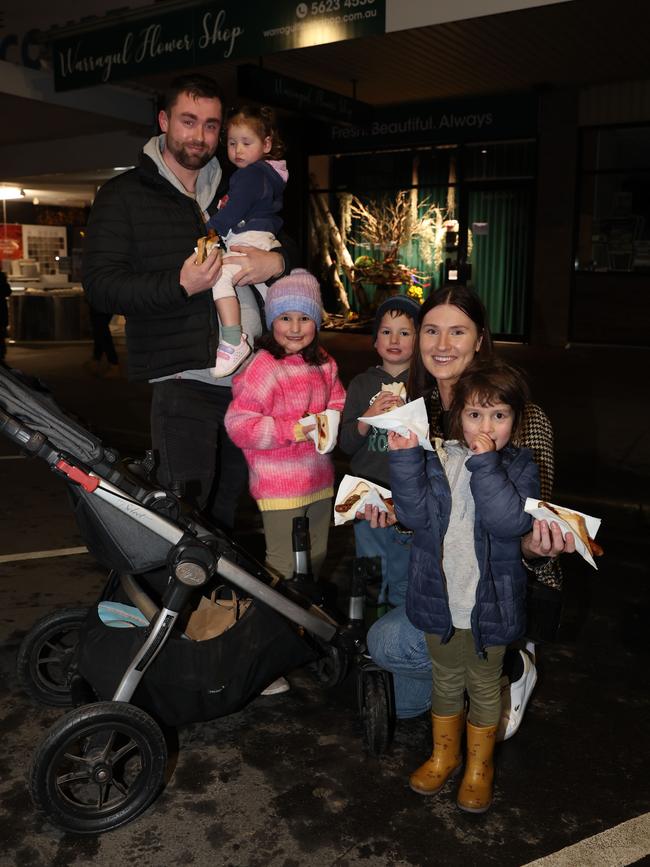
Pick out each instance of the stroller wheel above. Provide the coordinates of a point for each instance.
(99, 767)
(376, 709)
(330, 669)
(46, 656)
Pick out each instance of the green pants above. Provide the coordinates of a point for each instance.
(457, 667)
(278, 524)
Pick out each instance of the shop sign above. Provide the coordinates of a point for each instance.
(11, 241)
(449, 122)
(278, 90)
(208, 33)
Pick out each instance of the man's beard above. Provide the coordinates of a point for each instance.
(188, 160)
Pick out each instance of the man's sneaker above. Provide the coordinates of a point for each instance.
(229, 357)
(514, 698)
(278, 686)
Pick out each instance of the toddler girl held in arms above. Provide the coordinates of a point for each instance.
(248, 215)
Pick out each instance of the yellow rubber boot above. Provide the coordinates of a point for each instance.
(446, 757)
(475, 792)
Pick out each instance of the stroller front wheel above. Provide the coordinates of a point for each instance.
(376, 708)
(99, 767)
(46, 655)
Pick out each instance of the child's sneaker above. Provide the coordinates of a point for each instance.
(229, 357)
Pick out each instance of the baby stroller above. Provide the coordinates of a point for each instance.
(104, 762)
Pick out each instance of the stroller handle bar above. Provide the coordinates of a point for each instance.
(37, 444)
(25, 438)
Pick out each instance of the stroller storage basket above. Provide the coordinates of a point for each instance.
(192, 681)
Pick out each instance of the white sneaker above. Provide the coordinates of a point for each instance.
(515, 697)
(229, 357)
(278, 686)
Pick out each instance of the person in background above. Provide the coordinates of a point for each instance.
(103, 346)
(394, 332)
(467, 584)
(249, 214)
(5, 292)
(139, 261)
(453, 332)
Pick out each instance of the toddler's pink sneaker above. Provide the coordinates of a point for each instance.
(229, 357)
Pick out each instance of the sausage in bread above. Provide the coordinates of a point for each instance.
(578, 526)
(352, 499)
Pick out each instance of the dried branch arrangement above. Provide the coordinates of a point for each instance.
(390, 223)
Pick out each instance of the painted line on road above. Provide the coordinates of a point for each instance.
(42, 555)
(623, 844)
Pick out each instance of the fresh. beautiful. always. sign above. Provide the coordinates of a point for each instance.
(207, 33)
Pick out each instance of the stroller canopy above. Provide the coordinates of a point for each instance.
(32, 405)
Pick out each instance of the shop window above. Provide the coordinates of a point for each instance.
(479, 232)
(614, 200)
(512, 160)
(498, 253)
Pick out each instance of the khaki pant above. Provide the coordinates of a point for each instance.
(278, 524)
(457, 667)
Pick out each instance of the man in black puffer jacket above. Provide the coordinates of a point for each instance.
(139, 261)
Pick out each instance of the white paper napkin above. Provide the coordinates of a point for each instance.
(543, 514)
(410, 417)
(373, 498)
(333, 418)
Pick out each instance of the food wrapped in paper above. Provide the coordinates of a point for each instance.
(396, 388)
(583, 527)
(326, 431)
(354, 494)
(410, 417)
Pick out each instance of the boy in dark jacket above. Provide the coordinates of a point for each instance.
(394, 335)
(467, 584)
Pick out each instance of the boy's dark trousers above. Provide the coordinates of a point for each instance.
(192, 449)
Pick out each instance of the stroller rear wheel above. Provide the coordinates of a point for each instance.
(46, 655)
(376, 708)
(99, 767)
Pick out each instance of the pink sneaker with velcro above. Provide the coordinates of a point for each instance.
(229, 357)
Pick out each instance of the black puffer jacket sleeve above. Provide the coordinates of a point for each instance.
(121, 237)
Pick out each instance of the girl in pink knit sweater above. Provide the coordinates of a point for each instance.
(291, 376)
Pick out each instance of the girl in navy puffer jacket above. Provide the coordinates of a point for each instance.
(467, 585)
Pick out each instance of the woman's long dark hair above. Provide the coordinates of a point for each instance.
(421, 383)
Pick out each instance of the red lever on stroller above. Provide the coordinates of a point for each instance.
(88, 483)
